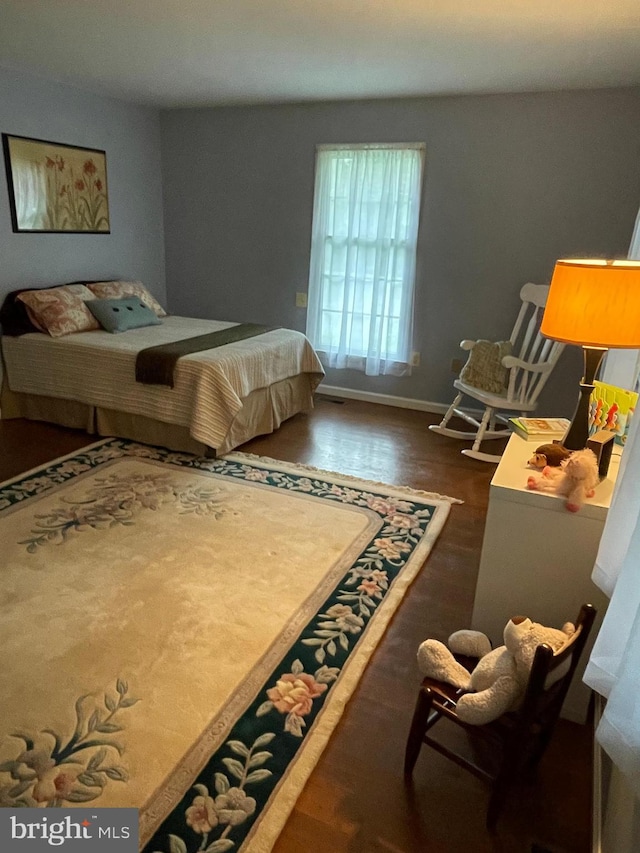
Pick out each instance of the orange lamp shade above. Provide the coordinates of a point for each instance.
(594, 303)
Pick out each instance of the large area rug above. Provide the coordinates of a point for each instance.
(181, 634)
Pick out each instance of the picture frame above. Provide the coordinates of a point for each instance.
(55, 188)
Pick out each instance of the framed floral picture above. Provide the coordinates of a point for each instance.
(56, 188)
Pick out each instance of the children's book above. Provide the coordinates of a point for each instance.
(539, 429)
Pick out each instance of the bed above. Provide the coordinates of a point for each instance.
(85, 378)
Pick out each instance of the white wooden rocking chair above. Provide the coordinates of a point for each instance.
(532, 359)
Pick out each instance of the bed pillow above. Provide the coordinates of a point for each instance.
(60, 310)
(121, 289)
(118, 315)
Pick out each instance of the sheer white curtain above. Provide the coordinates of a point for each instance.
(622, 367)
(614, 666)
(363, 254)
(613, 669)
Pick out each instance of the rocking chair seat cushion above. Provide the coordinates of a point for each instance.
(484, 368)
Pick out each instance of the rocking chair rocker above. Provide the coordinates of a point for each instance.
(526, 375)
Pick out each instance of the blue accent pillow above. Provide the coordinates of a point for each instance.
(118, 315)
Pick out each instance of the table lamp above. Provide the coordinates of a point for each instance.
(594, 304)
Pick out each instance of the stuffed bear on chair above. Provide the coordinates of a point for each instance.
(498, 682)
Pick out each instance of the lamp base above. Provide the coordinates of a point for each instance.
(578, 433)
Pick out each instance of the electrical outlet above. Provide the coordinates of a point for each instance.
(301, 300)
(415, 359)
(456, 365)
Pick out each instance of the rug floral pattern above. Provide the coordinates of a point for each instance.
(117, 500)
(218, 811)
(58, 770)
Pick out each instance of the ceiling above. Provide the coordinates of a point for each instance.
(171, 53)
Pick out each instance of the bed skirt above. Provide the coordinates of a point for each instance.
(262, 412)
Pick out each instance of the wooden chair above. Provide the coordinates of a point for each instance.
(516, 741)
(528, 368)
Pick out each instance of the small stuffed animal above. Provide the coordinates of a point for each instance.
(575, 480)
(498, 682)
(548, 454)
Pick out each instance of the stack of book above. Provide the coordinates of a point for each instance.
(540, 429)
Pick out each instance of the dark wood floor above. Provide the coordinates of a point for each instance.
(356, 800)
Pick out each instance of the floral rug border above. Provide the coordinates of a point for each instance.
(271, 748)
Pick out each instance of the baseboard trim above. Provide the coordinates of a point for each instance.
(382, 399)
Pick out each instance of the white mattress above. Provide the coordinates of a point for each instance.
(98, 368)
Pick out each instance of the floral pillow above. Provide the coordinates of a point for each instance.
(60, 310)
(122, 289)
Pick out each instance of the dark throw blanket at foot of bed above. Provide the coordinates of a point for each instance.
(155, 365)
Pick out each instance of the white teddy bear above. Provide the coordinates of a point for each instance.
(575, 479)
(498, 682)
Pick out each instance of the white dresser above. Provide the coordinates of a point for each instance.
(537, 557)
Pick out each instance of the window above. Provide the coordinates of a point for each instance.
(363, 251)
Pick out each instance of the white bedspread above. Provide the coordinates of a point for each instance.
(98, 368)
